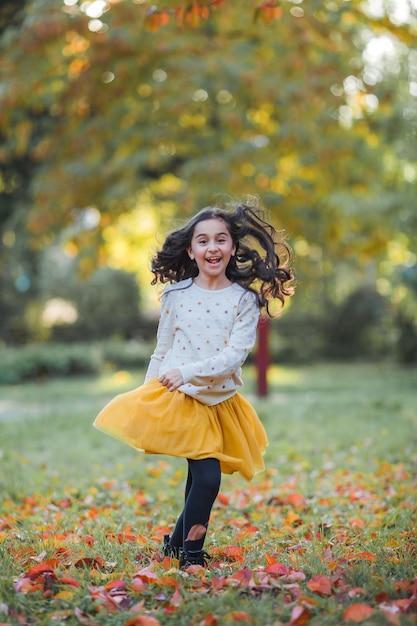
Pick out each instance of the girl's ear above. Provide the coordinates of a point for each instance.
(190, 254)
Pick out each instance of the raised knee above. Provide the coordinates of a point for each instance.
(196, 532)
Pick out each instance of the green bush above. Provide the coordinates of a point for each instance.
(126, 354)
(108, 304)
(362, 326)
(359, 327)
(406, 324)
(36, 362)
(296, 338)
(44, 361)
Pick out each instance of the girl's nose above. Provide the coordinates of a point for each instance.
(212, 245)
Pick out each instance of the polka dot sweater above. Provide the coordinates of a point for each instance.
(207, 335)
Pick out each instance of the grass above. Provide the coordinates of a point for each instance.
(337, 501)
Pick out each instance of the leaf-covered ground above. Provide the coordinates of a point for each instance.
(327, 535)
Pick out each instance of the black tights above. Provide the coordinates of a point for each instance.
(201, 489)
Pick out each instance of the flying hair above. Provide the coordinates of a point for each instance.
(260, 263)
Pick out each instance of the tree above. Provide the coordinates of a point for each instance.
(108, 100)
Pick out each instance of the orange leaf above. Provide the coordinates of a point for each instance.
(238, 616)
(39, 569)
(64, 595)
(143, 620)
(357, 612)
(293, 519)
(223, 499)
(168, 581)
(270, 560)
(142, 540)
(356, 522)
(365, 556)
(296, 499)
(320, 584)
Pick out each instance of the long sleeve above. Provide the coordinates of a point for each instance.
(229, 361)
(164, 339)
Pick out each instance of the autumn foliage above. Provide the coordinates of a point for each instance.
(335, 552)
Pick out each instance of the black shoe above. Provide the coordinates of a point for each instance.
(194, 558)
(173, 552)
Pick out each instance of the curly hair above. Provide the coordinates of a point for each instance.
(260, 263)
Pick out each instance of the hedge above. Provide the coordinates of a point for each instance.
(36, 362)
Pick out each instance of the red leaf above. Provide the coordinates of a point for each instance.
(278, 569)
(116, 584)
(381, 597)
(89, 561)
(210, 620)
(357, 613)
(244, 576)
(69, 581)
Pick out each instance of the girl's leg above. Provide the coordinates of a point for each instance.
(176, 538)
(203, 489)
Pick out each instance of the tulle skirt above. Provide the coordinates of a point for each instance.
(157, 421)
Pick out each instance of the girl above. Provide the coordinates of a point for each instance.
(222, 267)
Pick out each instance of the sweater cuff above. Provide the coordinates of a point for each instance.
(187, 372)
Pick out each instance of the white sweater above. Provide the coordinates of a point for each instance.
(207, 335)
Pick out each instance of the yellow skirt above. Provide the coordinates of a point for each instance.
(157, 421)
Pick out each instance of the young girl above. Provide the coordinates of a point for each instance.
(222, 267)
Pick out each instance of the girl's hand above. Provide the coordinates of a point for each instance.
(172, 379)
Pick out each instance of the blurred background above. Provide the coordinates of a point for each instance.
(118, 119)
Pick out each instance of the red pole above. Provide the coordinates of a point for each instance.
(262, 356)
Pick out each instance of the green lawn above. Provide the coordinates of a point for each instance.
(336, 507)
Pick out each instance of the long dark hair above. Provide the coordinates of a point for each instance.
(262, 267)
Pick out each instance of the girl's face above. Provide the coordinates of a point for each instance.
(211, 248)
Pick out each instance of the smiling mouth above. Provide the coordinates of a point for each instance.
(213, 260)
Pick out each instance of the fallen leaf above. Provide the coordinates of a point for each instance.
(238, 616)
(300, 615)
(357, 612)
(143, 620)
(320, 584)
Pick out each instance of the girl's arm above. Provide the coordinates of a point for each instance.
(164, 338)
(230, 360)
